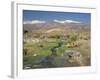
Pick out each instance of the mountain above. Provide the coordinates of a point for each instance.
(54, 25)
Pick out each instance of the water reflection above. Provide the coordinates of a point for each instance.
(68, 59)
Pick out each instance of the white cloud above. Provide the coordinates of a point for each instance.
(34, 22)
(58, 21)
(27, 22)
(66, 21)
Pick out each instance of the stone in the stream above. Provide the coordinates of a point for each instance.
(27, 66)
(73, 57)
(71, 53)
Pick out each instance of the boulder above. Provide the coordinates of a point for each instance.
(72, 53)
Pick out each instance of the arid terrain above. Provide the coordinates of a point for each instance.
(49, 45)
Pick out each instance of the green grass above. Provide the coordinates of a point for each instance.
(45, 50)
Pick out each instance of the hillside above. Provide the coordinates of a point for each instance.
(48, 26)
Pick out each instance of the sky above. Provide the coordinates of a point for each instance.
(31, 16)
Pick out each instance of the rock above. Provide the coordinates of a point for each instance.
(73, 56)
(35, 54)
(71, 53)
(28, 66)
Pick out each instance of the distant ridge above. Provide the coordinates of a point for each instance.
(54, 25)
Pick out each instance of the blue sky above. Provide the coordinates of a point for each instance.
(49, 16)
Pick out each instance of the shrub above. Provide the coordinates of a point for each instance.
(73, 38)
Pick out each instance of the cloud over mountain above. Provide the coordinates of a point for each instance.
(66, 21)
(57, 21)
(34, 22)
